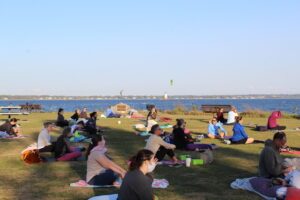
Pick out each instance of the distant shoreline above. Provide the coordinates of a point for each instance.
(105, 98)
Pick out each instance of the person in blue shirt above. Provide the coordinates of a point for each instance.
(215, 130)
(239, 134)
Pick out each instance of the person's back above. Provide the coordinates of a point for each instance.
(231, 117)
(238, 132)
(43, 139)
(91, 123)
(272, 121)
(270, 161)
(136, 186)
(83, 115)
(6, 127)
(75, 116)
(60, 118)
(93, 166)
(62, 146)
(179, 138)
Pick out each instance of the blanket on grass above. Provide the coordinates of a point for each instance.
(244, 184)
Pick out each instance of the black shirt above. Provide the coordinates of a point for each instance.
(62, 146)
(75, 117)
(180, 138)
(136, 186)
(60, 118)
(7, 127)
(91, 123)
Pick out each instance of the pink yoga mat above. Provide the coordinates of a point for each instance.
(291, 152)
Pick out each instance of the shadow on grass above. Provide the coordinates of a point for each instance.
(201, 182)
(186, 183)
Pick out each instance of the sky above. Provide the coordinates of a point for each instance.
(72, 47)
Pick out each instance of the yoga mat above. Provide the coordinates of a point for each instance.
(291, 152)
(157, 183)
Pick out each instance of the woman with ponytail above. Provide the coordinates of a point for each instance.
(239, 134)
(137, 184)
(101, 170)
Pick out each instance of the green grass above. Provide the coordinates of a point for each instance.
(51, 180)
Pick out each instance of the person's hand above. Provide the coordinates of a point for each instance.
(155, 161)
(123, 173)
(174, 147)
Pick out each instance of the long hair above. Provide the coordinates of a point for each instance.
(94, 143)
(60, 110)
(238, 119)
(66, 131)
(137, 161)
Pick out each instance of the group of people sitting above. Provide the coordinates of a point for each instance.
(79, 118)
(216, 130)
(136, 182)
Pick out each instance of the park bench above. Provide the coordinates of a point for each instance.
(31, 107)
(214, 108)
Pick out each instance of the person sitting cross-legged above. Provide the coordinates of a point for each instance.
(215, 130)
(100, 169)
(239, 134)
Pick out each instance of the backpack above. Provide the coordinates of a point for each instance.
(207, 156)
(31, 157)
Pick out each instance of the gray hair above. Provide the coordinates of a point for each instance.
(47, 124)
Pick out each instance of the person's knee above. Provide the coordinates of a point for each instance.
(211, 136)
(250, 140)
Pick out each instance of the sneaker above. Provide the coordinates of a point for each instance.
(227, 141)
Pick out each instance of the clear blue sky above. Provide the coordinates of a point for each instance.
(71, 47)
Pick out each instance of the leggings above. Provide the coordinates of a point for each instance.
(108, 177)
(279, 128)
(49, 148)
(161, 153)
(76, 153)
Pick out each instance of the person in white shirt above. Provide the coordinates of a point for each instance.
(44, 139)
(158, 146)
(232, 115)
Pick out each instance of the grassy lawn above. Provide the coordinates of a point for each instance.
(51, 180)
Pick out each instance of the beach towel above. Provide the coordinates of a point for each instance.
(244, 184)
(165, 119)
(157, 183)
(139, 126)
(166, 126)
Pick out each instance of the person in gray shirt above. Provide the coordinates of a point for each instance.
(270, 161)
(137, 184)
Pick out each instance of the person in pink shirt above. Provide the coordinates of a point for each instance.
(272, 121)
